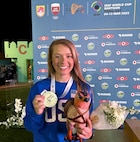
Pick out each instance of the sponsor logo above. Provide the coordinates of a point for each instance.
(41, 77)
(43, 70)
(90, 37)
(137, 52)
(78, 46)
(88, 69)
(89, 62)
(58, 37)
(105, 70)
(123, 61)
(43, 46)
(123, 52)
(136, 102)
(108, 36)
(104, 94)
(91, 46)
(40, 10)
(137, 86)
(55, 8)
(122, 69)
(42, 63)
(88, 77)
(137, 43)
(125, 35)
(136, 79)
(123, 43)
(122, 78)
(75, 37)
(103, 44)
(122, 102)
(107, 61)
(76, 8)
(135, 94)
(121, 86)
(104, 85)
(97, 7)
(104, 77)
(120, 94)
(91, 54)
(138, 71)
(39, 46)
(107, 53)
(43, 38)
(136, 62)
(43, 55)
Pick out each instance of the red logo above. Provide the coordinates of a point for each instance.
(55, 8)
(89, 62)
(103, 101)
(43, 70)
(105, 70)
(108, 36)
(123, 43)
(43, 38)
(137, 86)
(122, 78)
(137, 52)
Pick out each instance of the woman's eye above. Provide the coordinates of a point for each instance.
(69, 56)
(57, 56)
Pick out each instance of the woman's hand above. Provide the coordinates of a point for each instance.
(84, 131)
(38, 104)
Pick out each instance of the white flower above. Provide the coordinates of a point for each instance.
(18, 105)
(16, 119)
(23, 112)
(115, 114)
(110, 115)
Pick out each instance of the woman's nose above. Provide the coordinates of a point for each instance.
(63, 59)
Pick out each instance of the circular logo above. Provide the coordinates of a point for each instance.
(107, 53)
(91, 46)
(139, 35)
(100, 77)
(43, 55)
(88, 77)
(97, 6)
(138, 71)
(123, 61)
(75, 37)
(84, 69)
(136, 102)
(120, 94)
(104, 85)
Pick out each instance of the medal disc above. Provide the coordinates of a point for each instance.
(50, 98)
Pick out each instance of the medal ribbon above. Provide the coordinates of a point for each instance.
(67, 88)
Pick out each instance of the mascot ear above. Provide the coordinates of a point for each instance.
(67, 105)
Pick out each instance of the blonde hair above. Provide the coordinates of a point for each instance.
(76, 71)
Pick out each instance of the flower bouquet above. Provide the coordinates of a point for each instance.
(110, 115)
(16, 119)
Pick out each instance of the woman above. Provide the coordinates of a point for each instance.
(48, 124)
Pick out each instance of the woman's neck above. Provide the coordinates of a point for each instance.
(62, 78)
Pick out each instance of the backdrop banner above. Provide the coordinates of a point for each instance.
(107, 37)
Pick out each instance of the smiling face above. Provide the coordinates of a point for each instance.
(62, 61)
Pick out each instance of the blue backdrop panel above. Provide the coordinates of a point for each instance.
(107, 37)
